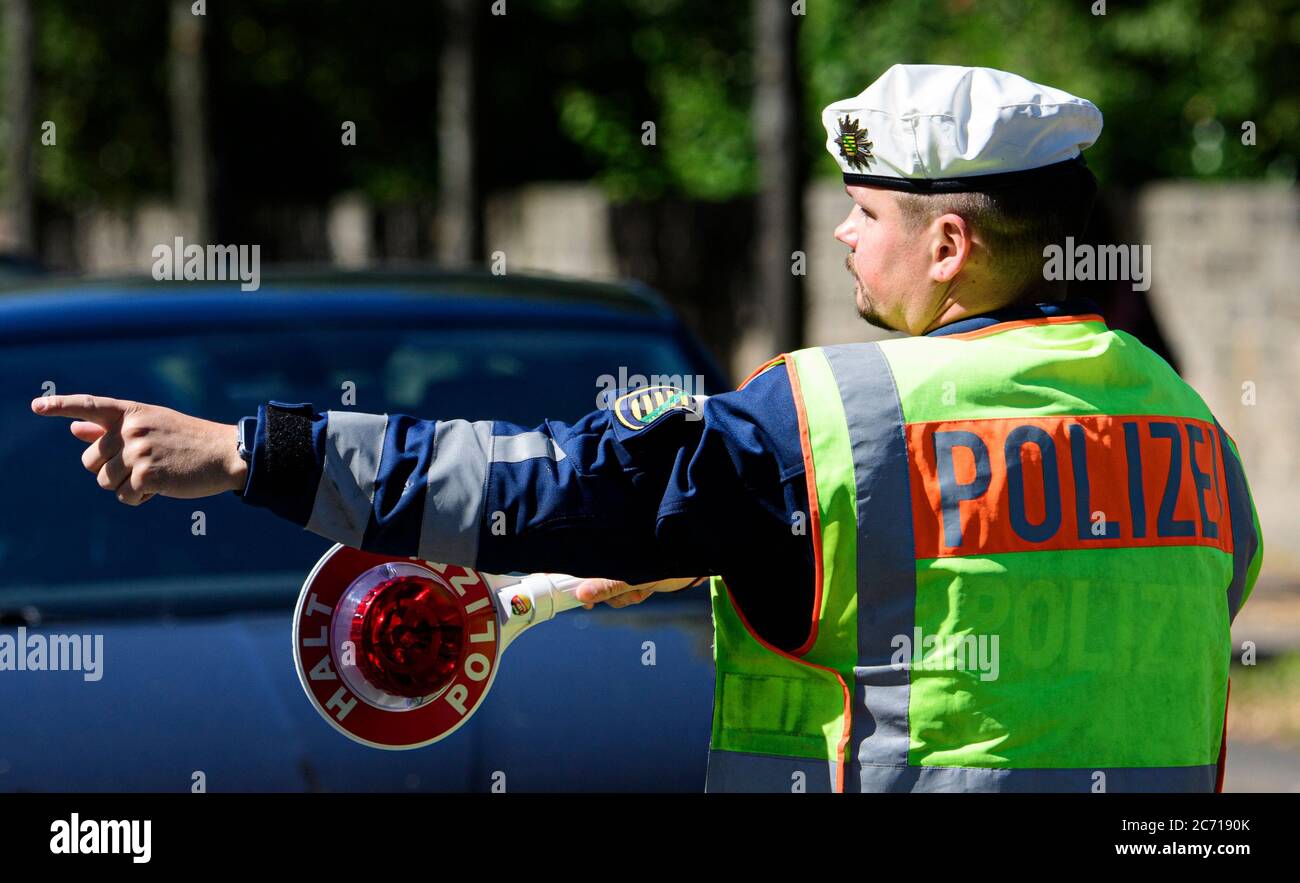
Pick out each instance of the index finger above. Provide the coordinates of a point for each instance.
(97, 409)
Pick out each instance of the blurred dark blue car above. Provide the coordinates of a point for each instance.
(197, 675)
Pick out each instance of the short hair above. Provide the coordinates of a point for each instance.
(1016, 223)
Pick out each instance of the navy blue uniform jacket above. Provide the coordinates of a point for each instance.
(716, 488)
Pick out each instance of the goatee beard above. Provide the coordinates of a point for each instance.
(869, 315)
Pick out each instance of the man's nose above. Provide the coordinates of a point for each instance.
(845, 233)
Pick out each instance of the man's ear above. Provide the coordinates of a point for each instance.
(950, 246)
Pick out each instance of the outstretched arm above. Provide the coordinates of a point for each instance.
(634, 499)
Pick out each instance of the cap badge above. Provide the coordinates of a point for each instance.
(854, 146)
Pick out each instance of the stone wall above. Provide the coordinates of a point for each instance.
(1227, 294)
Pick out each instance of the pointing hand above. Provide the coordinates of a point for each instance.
(138, 450)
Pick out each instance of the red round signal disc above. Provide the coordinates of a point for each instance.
(361, 720)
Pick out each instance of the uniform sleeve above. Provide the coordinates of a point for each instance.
(655, 486)
(1247, 539)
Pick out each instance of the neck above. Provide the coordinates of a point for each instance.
(952, 310)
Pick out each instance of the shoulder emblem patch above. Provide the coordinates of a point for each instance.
(641, 407)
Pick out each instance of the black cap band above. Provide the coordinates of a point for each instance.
(970, 183)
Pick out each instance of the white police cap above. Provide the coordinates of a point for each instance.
(943, 128)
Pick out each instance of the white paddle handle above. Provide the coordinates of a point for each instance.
(536, 598)
(553, 593)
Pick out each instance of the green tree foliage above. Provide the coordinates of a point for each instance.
(101, 79)
(566, 87)
(683, 66)
(1175, 79)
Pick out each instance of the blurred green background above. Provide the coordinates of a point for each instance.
(569, 79)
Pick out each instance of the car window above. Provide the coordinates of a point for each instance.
(66, 543)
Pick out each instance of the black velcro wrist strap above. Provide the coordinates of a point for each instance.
(290, 453)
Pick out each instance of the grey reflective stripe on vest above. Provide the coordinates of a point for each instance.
(766, 773)
(1084, 780)
(454, 491)
(353, 445)
(886, 559)
(1245, 542)
(735, 771)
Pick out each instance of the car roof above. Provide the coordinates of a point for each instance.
(75, 306)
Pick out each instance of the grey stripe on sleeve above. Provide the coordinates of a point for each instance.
(454, 492)
(525, 446)
(344, 498)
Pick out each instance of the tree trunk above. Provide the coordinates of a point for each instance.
(190, 152)
(459, 234)
(20, 182)
(777, 120)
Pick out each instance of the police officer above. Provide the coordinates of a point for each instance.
(1000, 554)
